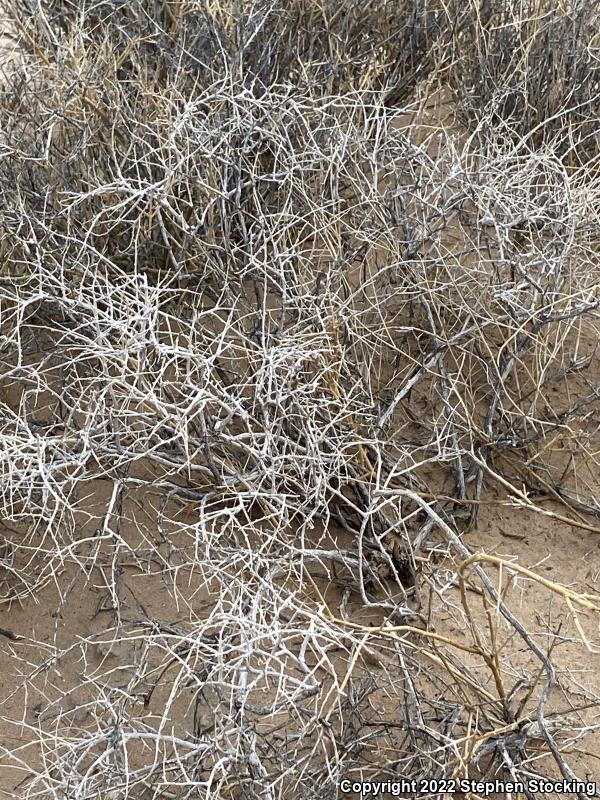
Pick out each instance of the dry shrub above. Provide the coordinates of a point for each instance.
(240, 273)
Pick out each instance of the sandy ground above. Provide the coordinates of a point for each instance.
(34, 689)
